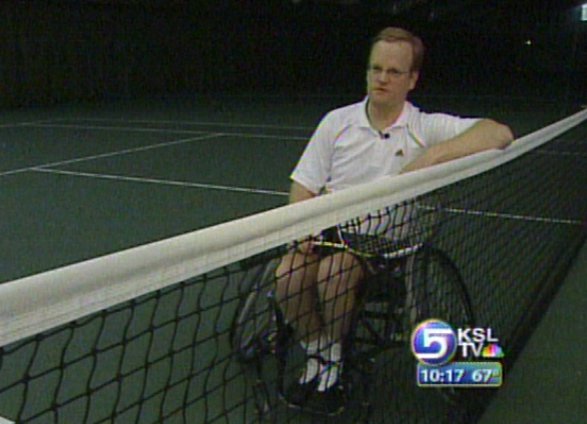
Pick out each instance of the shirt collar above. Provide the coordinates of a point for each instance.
(402, 120)
(363, 117)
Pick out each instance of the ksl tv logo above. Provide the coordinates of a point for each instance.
(435, 342)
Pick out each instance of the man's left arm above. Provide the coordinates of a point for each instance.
(483, 135)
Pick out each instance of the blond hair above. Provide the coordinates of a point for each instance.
(394, 34)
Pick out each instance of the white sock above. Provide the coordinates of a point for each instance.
(329, 375)
(313, 365)
(333, 353)
(311, 371)
(330, 372)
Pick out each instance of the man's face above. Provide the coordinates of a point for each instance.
(389, 76)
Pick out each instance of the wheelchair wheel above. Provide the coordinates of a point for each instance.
(436, 289)
(379, 322)
(253, 328)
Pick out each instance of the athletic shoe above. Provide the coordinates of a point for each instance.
(298, 393)
(329, 402)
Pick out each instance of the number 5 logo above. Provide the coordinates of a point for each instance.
(434, 342)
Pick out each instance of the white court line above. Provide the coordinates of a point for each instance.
(278, 137)
(111, 154)
(164, 130)
(159, 130)
(5, 421)
(220, 124)
(116, 128)
(555, 153)
(27, 124)
(161, 182)
(528, 218)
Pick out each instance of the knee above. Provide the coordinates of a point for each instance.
(337, 290)
(337, 277)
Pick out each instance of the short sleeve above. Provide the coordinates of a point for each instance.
(435, 128)
(314, 167)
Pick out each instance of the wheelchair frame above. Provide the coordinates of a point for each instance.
(390, 303)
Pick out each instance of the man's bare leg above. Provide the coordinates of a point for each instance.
(338, 278)
(297, 296)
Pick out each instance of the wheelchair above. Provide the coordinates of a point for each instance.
(408, 283)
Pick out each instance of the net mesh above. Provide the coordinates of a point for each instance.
(496, 242)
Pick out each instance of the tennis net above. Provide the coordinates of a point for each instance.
(147, 335)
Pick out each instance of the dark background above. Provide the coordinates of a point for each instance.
(63, 51)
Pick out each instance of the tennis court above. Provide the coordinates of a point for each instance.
(84, 183)
(145, 153)
(80, 184)
(75, 188)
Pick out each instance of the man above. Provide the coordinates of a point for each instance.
(382, 135)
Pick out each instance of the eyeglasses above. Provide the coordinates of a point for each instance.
(392, 73)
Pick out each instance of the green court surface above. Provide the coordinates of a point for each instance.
(547, 382)
(81, 182)
(73, 189)
(77, 183)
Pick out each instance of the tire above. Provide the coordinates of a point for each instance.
(436, 289)
(439, 292)
(253, 330)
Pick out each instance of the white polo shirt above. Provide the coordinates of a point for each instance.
(345, 150)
